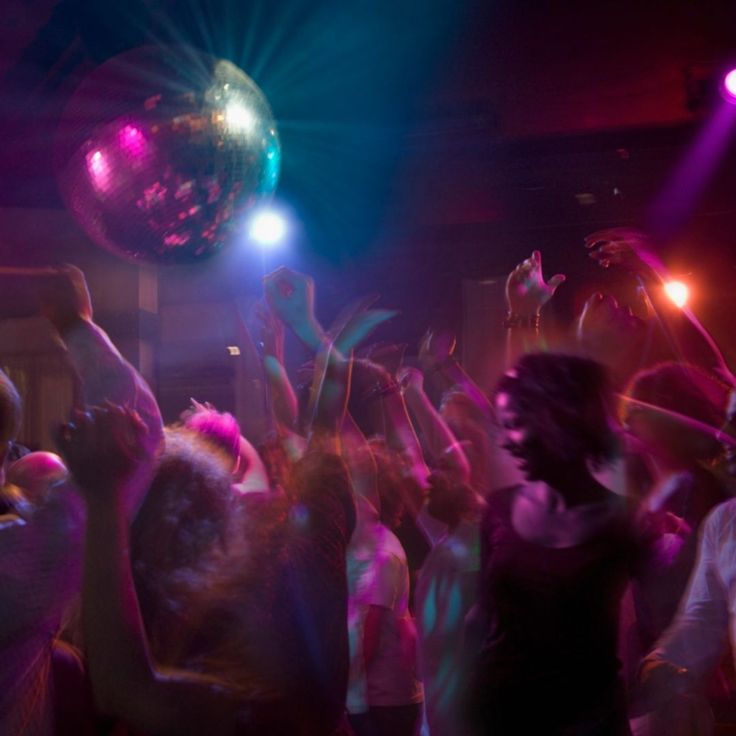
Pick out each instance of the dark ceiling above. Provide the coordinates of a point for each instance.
(412, 130)
(540, 67)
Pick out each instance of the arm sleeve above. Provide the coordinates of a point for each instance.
(697, 637)
(387, 581)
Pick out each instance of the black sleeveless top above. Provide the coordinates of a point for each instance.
(550, 615)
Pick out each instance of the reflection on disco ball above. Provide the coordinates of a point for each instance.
(160, 150)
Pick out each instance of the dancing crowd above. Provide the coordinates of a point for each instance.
(404, 553)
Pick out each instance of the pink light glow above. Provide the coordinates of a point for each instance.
(729, 86)
(132, 141)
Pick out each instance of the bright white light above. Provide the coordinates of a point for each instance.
(267, 228)
(240, 117)
(677, 292)
(729, 86)
(99, 170)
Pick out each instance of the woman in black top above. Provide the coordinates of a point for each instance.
(557, 553)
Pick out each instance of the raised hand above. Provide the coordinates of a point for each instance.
(625, 248)
(410, 379)
(435, 348)
(359, 326)
(526, 290)
(290, 295)
(388, 354)
(65, 297)
(631, 249)
(103, 449)
(371, 380)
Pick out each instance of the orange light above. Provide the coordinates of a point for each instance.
(678, 293)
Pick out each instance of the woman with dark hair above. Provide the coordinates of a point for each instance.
(556, 554)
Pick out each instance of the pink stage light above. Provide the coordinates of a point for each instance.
(729, 86)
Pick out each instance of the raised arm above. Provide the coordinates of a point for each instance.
(441, 442)
(437, 360)
(330, 391)
(284, 404)
(376, 389)
(109, 458)
(103, 372)
(290, 296)
(631, 250)
(526, 294)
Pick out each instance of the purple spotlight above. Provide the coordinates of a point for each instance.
(729, 86)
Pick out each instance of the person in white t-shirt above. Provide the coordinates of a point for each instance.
(384, 692)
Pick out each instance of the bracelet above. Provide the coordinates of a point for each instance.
(518, 320)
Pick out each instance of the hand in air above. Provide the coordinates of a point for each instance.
(624, 248)
(526, 290)
(65, 297)
(290, 295)
(371, 380)
(103, 448)
(357, 326)
(435, 348)
(410, 379)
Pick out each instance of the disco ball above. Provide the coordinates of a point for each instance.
(161, 150)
